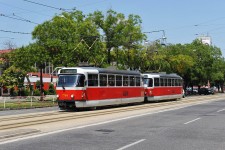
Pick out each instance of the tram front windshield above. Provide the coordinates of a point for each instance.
(70, 81)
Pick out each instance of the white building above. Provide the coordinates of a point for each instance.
(205, 40)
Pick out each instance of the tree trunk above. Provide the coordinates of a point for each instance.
(109, 57)
(222, 90)
(28, 80)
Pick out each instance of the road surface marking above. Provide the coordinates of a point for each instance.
(192, 121)
(129, 145)
(221, 110)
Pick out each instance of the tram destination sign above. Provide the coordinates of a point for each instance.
(68, 71)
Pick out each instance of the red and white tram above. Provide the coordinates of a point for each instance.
(162, 86)
(80, 87)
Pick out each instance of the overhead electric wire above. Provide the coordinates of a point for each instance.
(27, 10)
(62, 9)
(25, 20)
(212, 20)
(13, 32)
(42, 5)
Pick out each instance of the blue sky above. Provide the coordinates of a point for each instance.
(182, 20)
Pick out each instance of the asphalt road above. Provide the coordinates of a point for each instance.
(199, 127)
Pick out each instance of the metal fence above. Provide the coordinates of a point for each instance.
(27, 102)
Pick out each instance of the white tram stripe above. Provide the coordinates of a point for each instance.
(192, 121)
(129, 145)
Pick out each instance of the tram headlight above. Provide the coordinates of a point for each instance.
(72, 96)
(57, 96)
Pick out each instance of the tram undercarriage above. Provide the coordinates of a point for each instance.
(66, 105)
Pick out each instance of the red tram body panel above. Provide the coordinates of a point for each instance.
(161, 86)
(91, 87)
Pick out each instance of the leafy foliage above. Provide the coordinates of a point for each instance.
(118, 31)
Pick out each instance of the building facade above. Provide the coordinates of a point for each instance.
(205, 40)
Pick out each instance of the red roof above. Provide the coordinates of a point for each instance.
(44, 75)
(5, 51)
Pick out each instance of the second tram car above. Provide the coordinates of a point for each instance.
(162, 86)
(80, 87)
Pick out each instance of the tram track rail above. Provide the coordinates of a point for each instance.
(45, 118)
(10, 118)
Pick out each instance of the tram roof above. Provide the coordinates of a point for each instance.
(102, 70)
(161, 75)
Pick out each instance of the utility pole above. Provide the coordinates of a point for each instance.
(163, 39)
(41, 67)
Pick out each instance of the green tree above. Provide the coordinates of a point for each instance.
(51, 89)
(69, 38)
(196, 62)
(118, 31)
(12, 77)
(218, 69)
(21, 62)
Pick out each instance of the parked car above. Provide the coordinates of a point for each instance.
(205, 91)
(190, 91)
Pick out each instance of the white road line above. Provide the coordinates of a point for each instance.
(129, 145)
(192, 121)
(221, 110)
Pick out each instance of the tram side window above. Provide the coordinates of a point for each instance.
(165, 81)
(176, 82)
(173, 82)
(92, 80)
(180, 82)
(118, 80)
(125, 80)
(80, 81)
(156, 81)
(132, 81)
(103, 80)
(161, 82)
(138, 81)
(150, 82)
(111, 80)
(169, 82)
